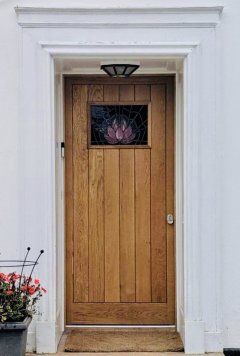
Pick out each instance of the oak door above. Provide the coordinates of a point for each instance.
(120, 264)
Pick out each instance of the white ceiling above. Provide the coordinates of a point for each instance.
(92, 65)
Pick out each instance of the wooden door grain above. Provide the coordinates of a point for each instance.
(111, 212)
(120, 259)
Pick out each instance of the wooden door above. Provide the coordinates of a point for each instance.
(120, 264)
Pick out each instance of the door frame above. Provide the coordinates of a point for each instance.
(187, 33)
(178, 180)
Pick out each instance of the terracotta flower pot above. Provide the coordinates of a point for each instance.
(13, 337)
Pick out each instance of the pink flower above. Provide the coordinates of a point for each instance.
(3, 276)
(119, 133)
(31, 290)
(14, 276)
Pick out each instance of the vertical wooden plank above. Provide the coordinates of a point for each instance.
(170, 200)
(111, 205)
(143, 259)
(111, 92)
(111, 202)
(126, 92)
(127, 226)
(158, 196)
(80, 180)
(127, 214)
(96, 214)
(142, 209)
(142, 92)
(69, 199)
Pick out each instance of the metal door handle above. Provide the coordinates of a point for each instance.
(170, 219)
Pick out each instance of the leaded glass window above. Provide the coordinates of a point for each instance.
(119, 124)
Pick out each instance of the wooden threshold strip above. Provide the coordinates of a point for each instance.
(119, 313)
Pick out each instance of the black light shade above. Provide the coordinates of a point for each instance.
(119, 70)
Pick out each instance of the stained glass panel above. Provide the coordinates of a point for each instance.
(120, 124)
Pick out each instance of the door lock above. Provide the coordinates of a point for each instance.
(170, 219)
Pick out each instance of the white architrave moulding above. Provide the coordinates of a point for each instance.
(48, 34)
(119, 17)
(144, 49)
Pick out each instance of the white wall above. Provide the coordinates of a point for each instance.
(227, 163)
(229, 172)
(9, 203)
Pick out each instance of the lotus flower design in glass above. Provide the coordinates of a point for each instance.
(119, 133)
(119, 124)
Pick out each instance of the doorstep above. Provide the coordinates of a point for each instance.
(121, 354)
(61, 352)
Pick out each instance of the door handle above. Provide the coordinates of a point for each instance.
(170, 219)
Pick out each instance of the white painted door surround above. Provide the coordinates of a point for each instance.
(188, 34)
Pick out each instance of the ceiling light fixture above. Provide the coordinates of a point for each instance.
(119, 70)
